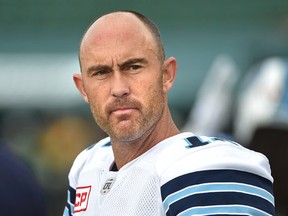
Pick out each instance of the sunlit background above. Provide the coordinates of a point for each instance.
(232, 79)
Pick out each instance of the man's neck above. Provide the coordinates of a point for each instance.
(126, 152)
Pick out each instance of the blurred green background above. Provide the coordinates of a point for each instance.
(44, 119)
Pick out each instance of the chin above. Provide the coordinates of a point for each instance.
(128, 137)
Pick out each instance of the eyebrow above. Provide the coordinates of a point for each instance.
(121, 65)
(132, 61)
(97, 68)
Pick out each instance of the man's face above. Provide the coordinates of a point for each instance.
(122, 79)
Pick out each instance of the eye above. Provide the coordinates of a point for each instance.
(101, 74)
(135, 67)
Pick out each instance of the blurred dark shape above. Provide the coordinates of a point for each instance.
(272, 141)
(262, 98)
(60, 141)
(20, 193)
(211, 112)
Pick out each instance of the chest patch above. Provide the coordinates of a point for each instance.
(81, 198)
(107, 186)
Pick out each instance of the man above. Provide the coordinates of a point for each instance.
(145, 166)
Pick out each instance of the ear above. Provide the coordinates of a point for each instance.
(79, 84)
(169, 73)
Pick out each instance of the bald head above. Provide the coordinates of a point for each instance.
(118, 25)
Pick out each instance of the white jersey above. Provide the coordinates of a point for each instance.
(182, 175)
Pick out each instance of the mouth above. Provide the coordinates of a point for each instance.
(122, 110)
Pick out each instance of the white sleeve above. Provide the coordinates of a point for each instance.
(220, 177)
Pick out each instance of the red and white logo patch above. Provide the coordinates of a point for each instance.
(81, 199)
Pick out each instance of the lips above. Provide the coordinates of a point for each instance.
(122, 107)
(122, 111)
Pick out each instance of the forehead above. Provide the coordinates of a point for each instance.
(116, 30)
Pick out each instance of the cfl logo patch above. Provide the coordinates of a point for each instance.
(81, 199)
(107, 186)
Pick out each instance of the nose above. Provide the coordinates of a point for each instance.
(119, 85)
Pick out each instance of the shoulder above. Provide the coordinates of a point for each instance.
(219, 153)
(103, 146)
(200, 153)
(100, 150)
(214, 171)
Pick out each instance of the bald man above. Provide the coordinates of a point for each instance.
(146, 166)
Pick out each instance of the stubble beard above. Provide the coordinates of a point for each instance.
(141, 123)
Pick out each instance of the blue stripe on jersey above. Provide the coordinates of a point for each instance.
(69, 208)
(90, 147)
(211, 198)
(211, 176)
(196, 141)
(217, 187)
(108, 144)
(224, 210)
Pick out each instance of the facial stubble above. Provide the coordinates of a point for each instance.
(128, 128)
